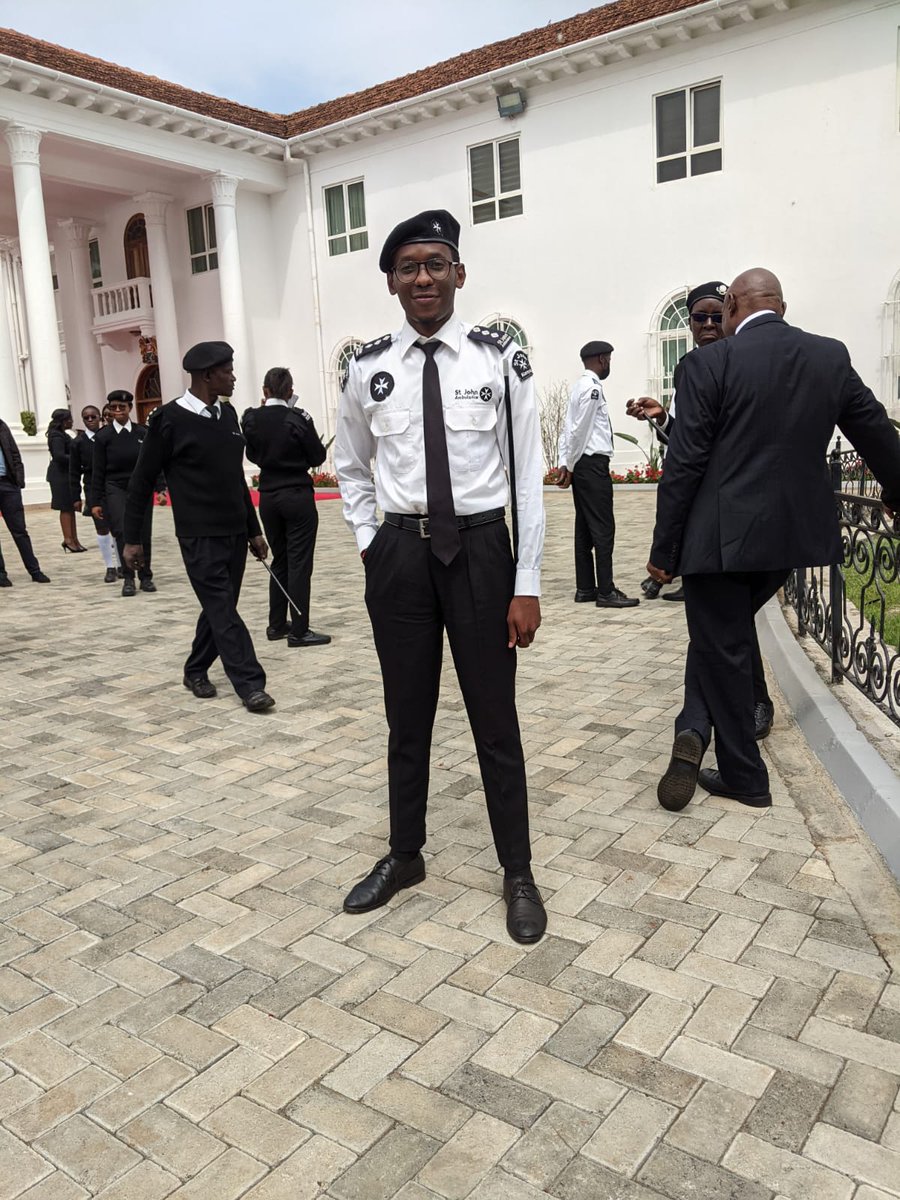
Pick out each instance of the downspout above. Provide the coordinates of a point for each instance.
(314, 282)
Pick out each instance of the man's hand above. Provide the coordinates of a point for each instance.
(132, 556)
(563, 477)
(258, 547)
(645, 408)
(659, 574)
(97, 512)
(523, 621)
(76, 504)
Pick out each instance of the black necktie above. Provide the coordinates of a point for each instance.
(438, 489)
(213, 410)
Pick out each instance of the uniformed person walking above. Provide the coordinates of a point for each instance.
(586, 447)
(195, 440)
(428, 405)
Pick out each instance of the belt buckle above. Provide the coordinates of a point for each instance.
(423, 527)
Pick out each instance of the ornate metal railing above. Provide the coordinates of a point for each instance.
(860, 632)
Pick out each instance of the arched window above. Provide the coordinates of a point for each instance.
(508, 325)
(341, 357)
(671, 338)
(137, 258)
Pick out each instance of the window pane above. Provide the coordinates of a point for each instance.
(671, 124)
(334, 211)
(481, 159)
(673, 168)
(337, 245)
(211, 227)
(356, 201)
(510, 177)
(213, 261)
(511, 206)
(706, 116)
(198, 264)
(96, 272)
(359, 241)
(709, 160)
(196, 235)
(484, 212)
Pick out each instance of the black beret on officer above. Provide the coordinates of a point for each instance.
(595, 349)
(434, 225)
(206, 355)
(715, 290)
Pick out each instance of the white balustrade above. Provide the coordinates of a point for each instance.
(122, 305)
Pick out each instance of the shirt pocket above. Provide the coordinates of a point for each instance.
(472, 433)
(392, 428)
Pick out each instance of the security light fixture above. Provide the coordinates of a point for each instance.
(511, 103)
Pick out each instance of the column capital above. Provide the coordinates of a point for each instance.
(224, 188)
(9, 246)
(24, 144)
(153, 206)
(75, 231)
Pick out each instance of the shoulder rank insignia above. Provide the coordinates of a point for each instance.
(489, 337)
(375, 347)
(521, 365)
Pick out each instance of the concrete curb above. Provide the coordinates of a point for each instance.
(866, 781)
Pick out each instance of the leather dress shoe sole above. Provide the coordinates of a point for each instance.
(585, 595)
(677, 786)
(712, 781)
(384, 881)
(526, 917)
(258, 701)
(202, 688)
(310, 638)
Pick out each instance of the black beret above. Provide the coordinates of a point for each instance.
(434, 225)
(593, 349)
(206, 355)
(707, 291)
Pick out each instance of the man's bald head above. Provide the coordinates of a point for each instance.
(753, 291)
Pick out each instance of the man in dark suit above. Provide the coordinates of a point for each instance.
(12, 481)
(745, 498)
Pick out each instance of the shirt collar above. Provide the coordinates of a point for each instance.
(89, 434)
(593, 375)
(274, 402)
(762, 313)
(118, 428)
(450, 333)
(195, 404)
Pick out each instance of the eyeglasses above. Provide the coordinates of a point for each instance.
(438, 268)
(702, 318)
(118, 407)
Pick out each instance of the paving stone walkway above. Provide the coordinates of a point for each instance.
(187, 1013)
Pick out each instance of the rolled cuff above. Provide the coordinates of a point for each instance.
(528, 583)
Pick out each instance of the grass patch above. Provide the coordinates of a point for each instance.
(853, 586)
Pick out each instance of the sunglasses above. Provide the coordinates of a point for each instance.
(702, 318)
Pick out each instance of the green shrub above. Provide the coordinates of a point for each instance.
(29, 423)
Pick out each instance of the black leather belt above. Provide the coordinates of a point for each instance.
(419, 525)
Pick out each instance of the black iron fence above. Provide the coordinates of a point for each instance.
(852, 609)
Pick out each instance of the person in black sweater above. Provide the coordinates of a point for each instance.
(116, 451)
(59, 443)
(12, 481)
(196, 441)
(81, 465)
(284, 442)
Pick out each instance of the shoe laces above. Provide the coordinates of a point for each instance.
(523, 889)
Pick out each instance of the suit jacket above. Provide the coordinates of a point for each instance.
(746, 485)
(81, 462)
(15, 470)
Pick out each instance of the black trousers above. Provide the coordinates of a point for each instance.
(595, 525)
(724, 677)
(412, 598)
(114, 511)
(291, 521)
(215, 567)
(14, 515)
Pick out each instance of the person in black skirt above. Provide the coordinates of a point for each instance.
(81, 464)
(59, 443)
(285, 444)
(116, 450)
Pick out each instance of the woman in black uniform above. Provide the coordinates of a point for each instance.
(81, 463)
(59, 443)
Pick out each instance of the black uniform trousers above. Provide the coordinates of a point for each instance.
(291, 521)
(723, 677)
(114, 511)
(215, 567)
(14, 515)
(595, 525)
(412, 597)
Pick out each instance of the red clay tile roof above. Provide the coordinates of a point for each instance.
(580, 28)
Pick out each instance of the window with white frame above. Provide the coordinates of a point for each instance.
(495, 179)
(688, 132)
(673, 340)
(345, 216)
(202, 238)
(96, 270)
(509, 325)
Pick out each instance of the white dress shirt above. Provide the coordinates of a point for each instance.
(746, 321)
(587, 428)
(118, 428)
(89, 434)
(380, 418)
(191, 402)
(274, 402)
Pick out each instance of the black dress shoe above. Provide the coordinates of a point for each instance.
(615, 599)
(258, 701)
(128, 588)
(200, 686)
(147, 585)
(526, 917)
(5, 580)
(712, 781)
(276, 632)
(385, 880)
(120, 574)
(110, 576)
(678, 594)
(310, 638)
(40, 577)
(651, 588)
(763, 716)
(676, 787)
(585, 595)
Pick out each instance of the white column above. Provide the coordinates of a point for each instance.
(43, 333)
(231, 284)
(10, 401)
(86, 379)
(171, 376)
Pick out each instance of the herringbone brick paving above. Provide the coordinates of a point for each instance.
(186, 1011)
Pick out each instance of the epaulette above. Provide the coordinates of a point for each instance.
(490, 337)
(375, 347)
